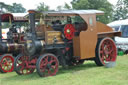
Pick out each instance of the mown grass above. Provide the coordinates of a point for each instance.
(86, 74)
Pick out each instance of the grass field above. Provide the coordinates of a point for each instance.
(86, 74)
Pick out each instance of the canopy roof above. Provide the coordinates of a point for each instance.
(65, 13)
(16, 17)
(74, 12)
(6, 16)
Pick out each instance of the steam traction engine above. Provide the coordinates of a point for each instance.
(11, 46)
(65, 38)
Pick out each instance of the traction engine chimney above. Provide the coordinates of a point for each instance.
(32, 23)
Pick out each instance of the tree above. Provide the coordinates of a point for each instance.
(66, 6)
(42, 7)
(59, 8)
(16, 8)
(121, 10)
(102, 5)
(3, 6)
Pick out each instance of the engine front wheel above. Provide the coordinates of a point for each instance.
(105, 51)
(47, 65)
(21, 65)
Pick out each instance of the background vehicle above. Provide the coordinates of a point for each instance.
(11, 44)
(122, 41)
(65, 38)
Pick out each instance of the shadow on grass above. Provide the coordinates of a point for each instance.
(35, 76)
(77, 68)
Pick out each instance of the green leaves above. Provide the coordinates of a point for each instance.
(102, 5)
(42, 7)
(14, 8)
(121, 10)
(66, 6)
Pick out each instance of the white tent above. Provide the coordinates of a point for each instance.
(118, 23)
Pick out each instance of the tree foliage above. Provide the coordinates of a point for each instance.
(59, 8)
(3, 6)
(66, 6)
(14, 8)
(121, 10)
(42, 7)
(102, 5)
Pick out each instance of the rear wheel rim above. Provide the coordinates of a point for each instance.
(7, 63)
(49, 66)
(107, 51)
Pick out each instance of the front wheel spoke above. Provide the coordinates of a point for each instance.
(108, 46)
(108, 58)
(46, 59)
(101, 51)
(102, 58)
(43, 69)
(22, 68)
(3, 66)
(102, 47)
(9, 61)
(49, 72)
(43, 63)
(19, 65)
(6, 60)
(27, 70)
(52, 61)
(53, 67)
(110, 51)
(105, 56)
(4, 63)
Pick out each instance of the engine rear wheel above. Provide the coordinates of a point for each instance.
(47, 65)
(105, 51)
(6, 63)
(21, 65)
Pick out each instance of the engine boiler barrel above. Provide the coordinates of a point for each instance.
(10, 47)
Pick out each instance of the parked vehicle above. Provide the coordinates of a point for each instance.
(65, 38)
(122, 41)
(11, 45)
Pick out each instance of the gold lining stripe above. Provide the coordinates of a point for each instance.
(16, 46)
